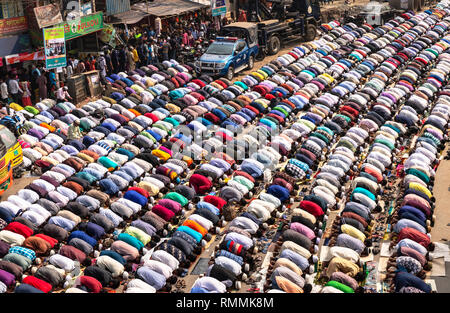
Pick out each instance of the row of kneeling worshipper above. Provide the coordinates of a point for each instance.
(220, 272)
(84, 164)
(233, 258)
(243, 180)
(413, 216)
(288, 268)
(294, 252)
(108, 164)
(354, 225)
(237, 244)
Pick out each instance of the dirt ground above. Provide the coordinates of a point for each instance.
(441, 230)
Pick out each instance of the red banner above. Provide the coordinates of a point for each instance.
(22, 57)
(12, 25)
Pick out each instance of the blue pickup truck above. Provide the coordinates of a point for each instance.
(227, 56)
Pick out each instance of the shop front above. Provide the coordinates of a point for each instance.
(164, 14)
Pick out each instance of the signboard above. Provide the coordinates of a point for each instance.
(12, 25)
(48, 15)
(218, 7)
(55, 47)
(86, 8)
(108, 34)
(85, 25)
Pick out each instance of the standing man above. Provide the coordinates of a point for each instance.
(123, 59)
(35, 73)
(156, 51)
(130, 60)
(42, 85)
(140, 53)
(88, 63)
(109, 68)
(135, 56)
(52, 78)
(69, 68)
(81, 67)
(151, 51)
(175, 48)
(165, 50)
(5, 95)
(194, 32)
(75, 64)
(14, 89)
(115, 60)
(101, 61)
(145, 47)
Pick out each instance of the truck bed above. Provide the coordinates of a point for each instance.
(287, 28)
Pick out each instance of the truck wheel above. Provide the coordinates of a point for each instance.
(311, 32)
(261, 55)
(230, 73)
(274, 45)
(251, 62)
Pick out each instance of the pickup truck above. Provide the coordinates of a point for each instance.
(227, 56)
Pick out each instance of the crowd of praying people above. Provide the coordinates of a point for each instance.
(125, 196)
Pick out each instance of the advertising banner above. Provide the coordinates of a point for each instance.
(12, 25)
(48, 15)
(22, 57)
(85, 25)
(55, 47)
(218, 7)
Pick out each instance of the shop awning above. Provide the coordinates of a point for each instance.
(164, 8)
(128, 17)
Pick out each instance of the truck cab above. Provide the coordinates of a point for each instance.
(11, 157)
(229, 55)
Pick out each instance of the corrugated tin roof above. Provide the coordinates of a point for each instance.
(117, 6)
(168, 7)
